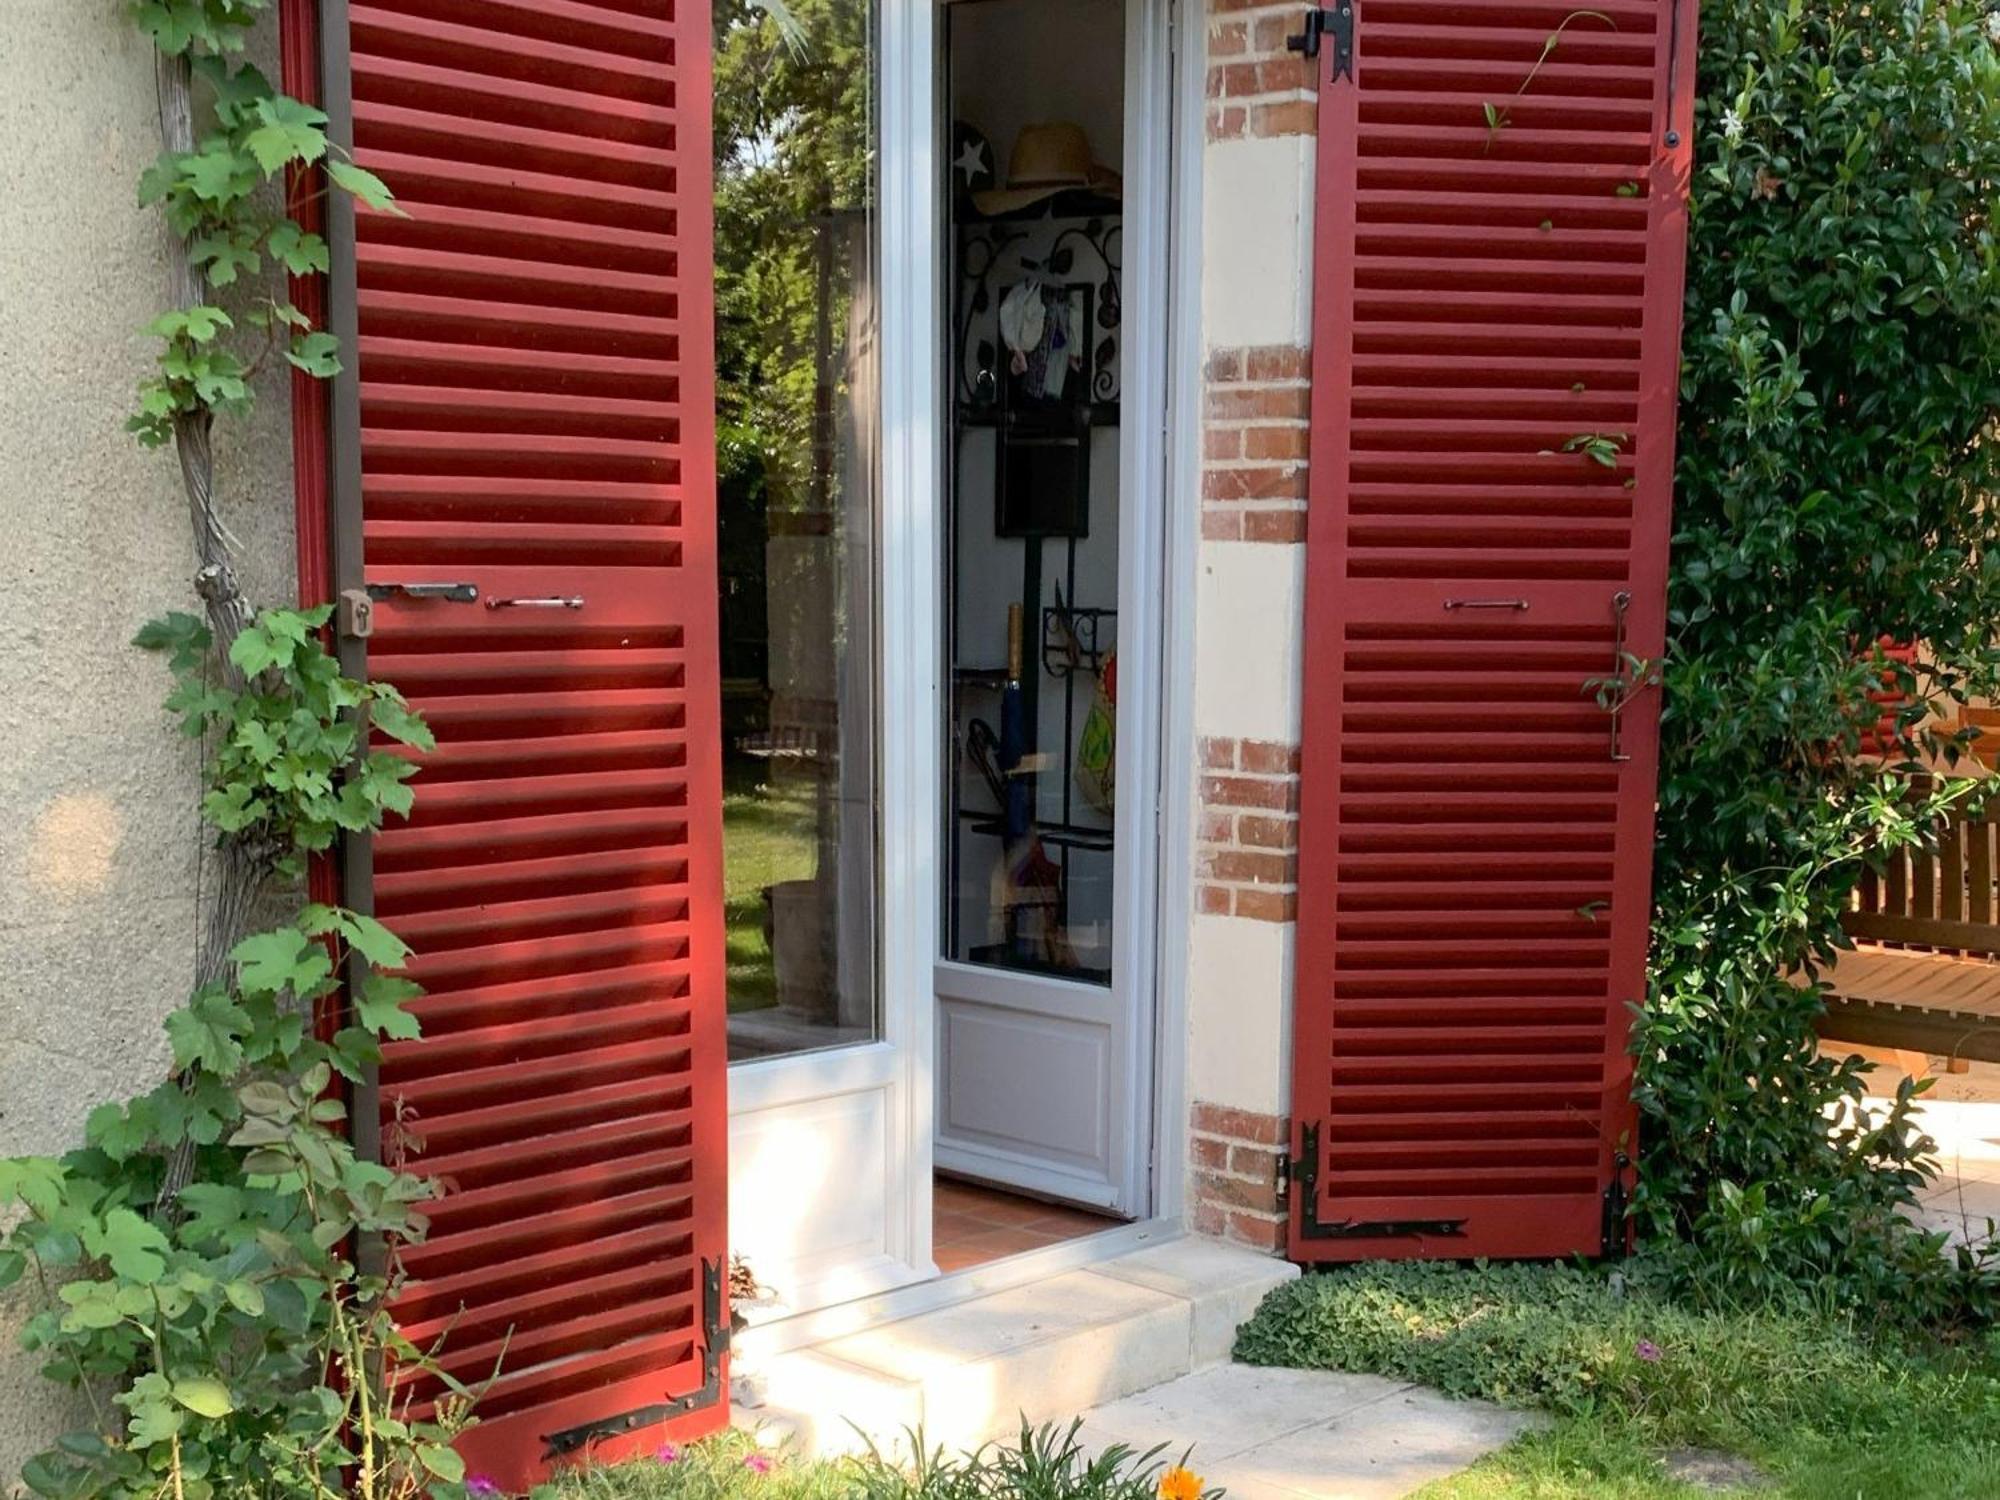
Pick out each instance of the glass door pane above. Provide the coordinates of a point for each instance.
(796, 467)
(1035, 295)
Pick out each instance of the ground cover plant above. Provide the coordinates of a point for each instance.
(1040, 1463)
(1825, 1408)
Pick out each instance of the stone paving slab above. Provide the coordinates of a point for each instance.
(1307, 1434)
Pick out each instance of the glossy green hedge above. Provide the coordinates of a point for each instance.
(1840, 380)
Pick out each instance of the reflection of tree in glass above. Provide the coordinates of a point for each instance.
(793, 129)
(792, 126)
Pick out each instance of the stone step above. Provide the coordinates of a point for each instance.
(1044, 1351)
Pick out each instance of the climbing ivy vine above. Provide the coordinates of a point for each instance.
(198, 1259)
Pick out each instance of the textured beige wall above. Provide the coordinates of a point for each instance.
(98, 840)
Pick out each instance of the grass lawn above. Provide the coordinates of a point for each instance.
(767, 836)
(1823, 1411)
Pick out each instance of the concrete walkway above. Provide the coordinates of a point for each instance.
(1966, 1196)
(1306, 1434)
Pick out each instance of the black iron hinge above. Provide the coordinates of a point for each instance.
(1336, 22)
(715, 1344)
(1616, 1201)
(1305, 1172)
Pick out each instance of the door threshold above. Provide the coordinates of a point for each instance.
(801, 1329)
(1058, 1345)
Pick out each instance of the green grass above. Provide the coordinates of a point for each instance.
(1826, 1412)
(767, 836)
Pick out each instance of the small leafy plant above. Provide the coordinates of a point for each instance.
(1050, 1462)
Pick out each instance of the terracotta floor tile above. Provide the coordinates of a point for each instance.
(972, 1224)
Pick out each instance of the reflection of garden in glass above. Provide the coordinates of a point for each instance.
(794, 438)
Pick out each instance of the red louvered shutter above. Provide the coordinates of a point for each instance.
(531, 426)
(1475, 845)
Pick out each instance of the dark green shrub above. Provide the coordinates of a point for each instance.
(1841, 375)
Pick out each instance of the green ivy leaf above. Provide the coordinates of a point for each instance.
(290, 132)
(204, 1395)
(318, 354)
(395, 719)
(364, 185)
(208, 1032)
(136, 1250)
(270, 963)
(378, 1006)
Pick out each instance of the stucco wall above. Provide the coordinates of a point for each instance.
(98, 840)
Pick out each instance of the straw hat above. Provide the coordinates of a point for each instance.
(1046, 160)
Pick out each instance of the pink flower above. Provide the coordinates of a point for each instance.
(1647, 1350)
(482, 1487)
(757, 1463)
(667, 1453)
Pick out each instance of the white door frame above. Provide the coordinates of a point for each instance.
(899, 1068)
(845, 1134)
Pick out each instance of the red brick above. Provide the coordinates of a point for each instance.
(1236, 1192)
(1219, 524)
(1256, 1231)
(1267, 906)
(1228, 123)
(1277, 362)
(1286, 117)
(1260, 1162)
(1224, 364)
(1241, 403)
(1270, 33)
(1229, 39)
(1268, 482)
(1288, 525)
(1207, 1218)
(1259, 832)
(1245, 866)
(1269, 757)
(1218, 753)
(1271, 75)
(1206, 1151)
(1237, 1124)
(1212, 900)
(1216, 828)
(1248, 791)
(1219, 443)
(1269, 442)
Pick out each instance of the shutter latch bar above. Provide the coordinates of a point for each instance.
(455, 593)
(1338, 23)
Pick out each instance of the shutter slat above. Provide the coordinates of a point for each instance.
(1473, 849)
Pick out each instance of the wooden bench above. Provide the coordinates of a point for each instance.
(1924, 974)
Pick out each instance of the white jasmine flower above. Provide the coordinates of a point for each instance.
(1993, 25)
(1732, 126)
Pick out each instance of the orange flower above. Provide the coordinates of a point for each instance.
(1180, 1484)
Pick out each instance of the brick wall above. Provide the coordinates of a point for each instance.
(1257, 406)
(1233, 1176)
(1246, 843)
(1255, 86)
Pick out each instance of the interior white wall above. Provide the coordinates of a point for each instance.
(1025, 62)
